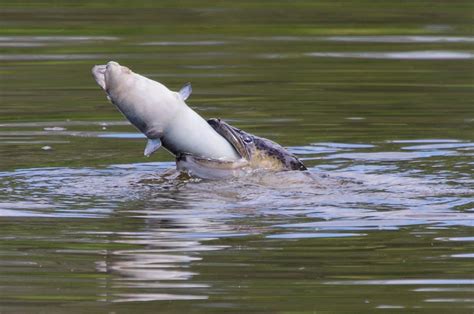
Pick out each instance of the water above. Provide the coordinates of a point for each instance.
(375, 98)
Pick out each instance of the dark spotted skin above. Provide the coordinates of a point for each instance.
(253, 148)
(272, 149)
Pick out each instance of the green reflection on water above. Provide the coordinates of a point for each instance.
(250, 62)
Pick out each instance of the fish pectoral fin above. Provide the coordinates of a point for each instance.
(152, 146)
(185, 91)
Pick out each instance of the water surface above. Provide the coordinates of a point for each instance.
(375, 99)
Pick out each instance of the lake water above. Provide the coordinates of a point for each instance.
(375, 98)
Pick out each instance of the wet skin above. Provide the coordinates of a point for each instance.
(258, 151)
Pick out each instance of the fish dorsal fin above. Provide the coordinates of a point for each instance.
(185, 91)
(152, 146)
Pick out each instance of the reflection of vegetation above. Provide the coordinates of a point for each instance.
(233, 17)
(254, 68)
(258, 74)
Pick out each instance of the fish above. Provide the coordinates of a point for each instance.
(256, 152)
(161, 114)
(206, 149)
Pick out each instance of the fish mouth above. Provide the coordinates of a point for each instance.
(210, 163)
(98, 72)
(207, 168)
(232, 136)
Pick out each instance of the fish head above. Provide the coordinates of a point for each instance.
(118, 82)
(258, 151)
(243, 142)
(111, 75)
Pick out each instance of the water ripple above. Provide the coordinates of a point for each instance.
(402, 55)
(402, 39)
(389, 282)
(185, 43)
(314, 235)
